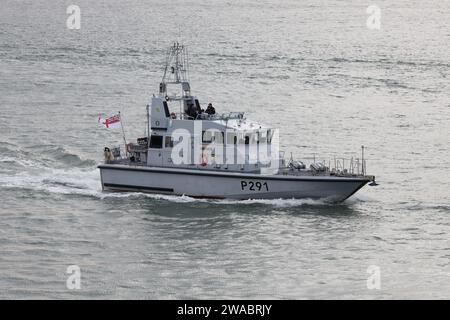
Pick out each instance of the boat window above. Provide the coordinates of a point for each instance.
(169, 142)
(166, 109)
(247, 139)
(156, 142)
(241, 138)
(213, 135)
(231, 138)
(269, 135)
(206, 136)
(263, 136)
(254, 138)
(219, 137)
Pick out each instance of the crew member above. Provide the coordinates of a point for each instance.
(108, 154)
(210, 109)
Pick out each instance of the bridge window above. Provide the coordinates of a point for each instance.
(231, 138)
(166, 109)
(219, 137)
(169, 142)
(269, 135)
(263, 136)
(241, 138)
(209, 136)
(254, 138)
(206, 136)
(156, 142)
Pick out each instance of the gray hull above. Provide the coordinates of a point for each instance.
(212, 184)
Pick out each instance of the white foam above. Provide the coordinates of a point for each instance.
(277, 202)
(74, 181)
(54, 181)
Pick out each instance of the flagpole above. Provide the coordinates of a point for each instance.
(148, 125)
(123, 133)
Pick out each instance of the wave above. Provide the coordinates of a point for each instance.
(60, 181)
(280, 203)
(424, 207)
(13, 158)
(63, 156)
(391, 62)
(42, 156)
(231, 56)
(15, 162)
(87, 55)
(47, 168)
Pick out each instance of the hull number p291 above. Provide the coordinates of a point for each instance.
(254, 186)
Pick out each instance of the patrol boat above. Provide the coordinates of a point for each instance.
(190, 151)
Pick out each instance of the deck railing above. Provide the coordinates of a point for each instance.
(352, 166)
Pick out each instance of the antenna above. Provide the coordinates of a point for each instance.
(179, 34)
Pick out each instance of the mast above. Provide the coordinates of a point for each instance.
(363, 167)
(175, 72)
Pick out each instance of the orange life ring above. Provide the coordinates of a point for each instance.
(129, 145)
(204, 162)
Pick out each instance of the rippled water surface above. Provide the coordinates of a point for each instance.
(312, 69)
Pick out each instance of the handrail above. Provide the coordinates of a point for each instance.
(206, 116)
(353, 166)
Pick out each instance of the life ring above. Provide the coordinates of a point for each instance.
(173, 115)
(204, 161)
(129, 145)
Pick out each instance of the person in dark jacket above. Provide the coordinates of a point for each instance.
(210, 109)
